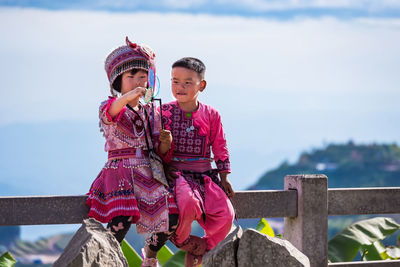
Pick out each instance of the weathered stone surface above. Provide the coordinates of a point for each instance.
(256, 249)
(308, 232)
(92, 246)
(224, 254)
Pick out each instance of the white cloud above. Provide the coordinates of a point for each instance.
(285, 5)
(184, 4)
(52, 61)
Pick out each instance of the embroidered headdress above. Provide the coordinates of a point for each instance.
(128, 57)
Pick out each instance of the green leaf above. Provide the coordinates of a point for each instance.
(264, 227)
(385, 256)
(393, 252)
(375, 252)
(361, 235)
(131, 255)
(178, 260)
(7, 260)
(164, 254)
(341, 249)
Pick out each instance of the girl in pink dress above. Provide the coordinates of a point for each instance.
(201, 192)
(125, 191)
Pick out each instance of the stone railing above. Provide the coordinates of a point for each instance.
(305, 204)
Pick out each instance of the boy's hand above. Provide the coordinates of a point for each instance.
(165, 137)
(226, 184)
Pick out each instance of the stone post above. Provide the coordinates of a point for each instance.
(309, 230)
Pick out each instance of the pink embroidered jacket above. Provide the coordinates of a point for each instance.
(196, 134)
(126, 130)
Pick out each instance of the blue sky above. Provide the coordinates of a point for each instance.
(282, 9)
(287, 77)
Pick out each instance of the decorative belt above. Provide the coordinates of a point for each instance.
(191, 159)
(127, 153)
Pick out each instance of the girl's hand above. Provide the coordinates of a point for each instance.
(226, 184)
(131, 98)
(134, 94)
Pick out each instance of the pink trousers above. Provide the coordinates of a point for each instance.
(218, 210)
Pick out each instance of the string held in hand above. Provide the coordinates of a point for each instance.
(153, 90)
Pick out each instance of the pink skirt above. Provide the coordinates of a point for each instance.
(126, 187)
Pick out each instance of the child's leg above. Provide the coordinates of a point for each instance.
(189, 206)
(219, 214)
(119, 226)
(155, 242)
(189, 210)
(219, 218)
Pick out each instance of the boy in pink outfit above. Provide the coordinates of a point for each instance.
(202, 193)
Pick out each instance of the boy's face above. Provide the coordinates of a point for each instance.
(131, 81)
(186, 85)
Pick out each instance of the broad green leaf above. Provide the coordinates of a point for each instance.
(7, 260)
(375, 252)
(342, 249)
(345, 245)
(178, 260)
(385, 256)
(131, 255)
(264, 227)
(164, 254)
(393, 252)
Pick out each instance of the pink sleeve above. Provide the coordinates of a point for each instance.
(218, 143)
(105, 116)
(167, 157)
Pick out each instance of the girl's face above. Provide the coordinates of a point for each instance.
(130, 81)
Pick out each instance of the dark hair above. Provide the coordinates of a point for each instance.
(118, 81)
(191, 63)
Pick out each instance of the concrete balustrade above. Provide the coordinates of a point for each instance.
(305, 203)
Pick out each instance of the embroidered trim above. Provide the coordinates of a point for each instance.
(188, 143)
(191, 159)
(223, 165)
(115, 193)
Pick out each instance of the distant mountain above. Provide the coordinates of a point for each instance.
(346, 165)
(41, 253)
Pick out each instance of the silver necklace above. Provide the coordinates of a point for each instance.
(191, 127)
